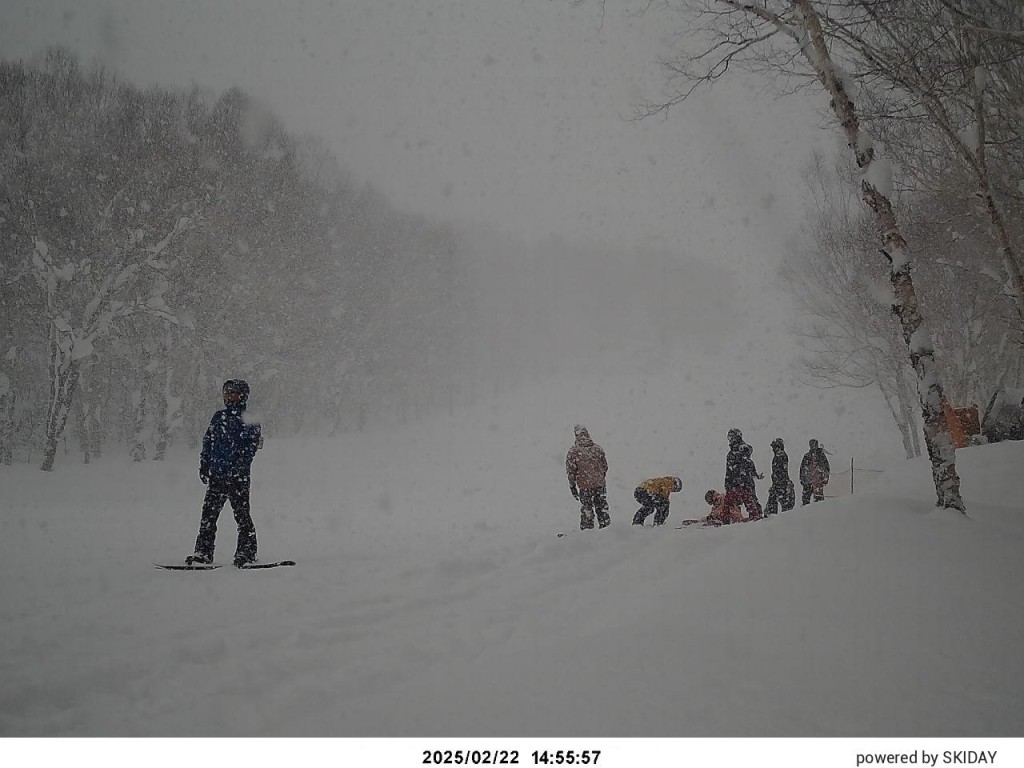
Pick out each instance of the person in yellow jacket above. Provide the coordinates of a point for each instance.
(652, 496)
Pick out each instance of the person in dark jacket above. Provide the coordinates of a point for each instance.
(586, 467)
(652, 495)
(814, 471)
(740, 474)
(229, 445)
(782, 490)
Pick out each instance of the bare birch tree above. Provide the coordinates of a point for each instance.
(786, 37)
(113, 295)
(936, 68)
(852, 341)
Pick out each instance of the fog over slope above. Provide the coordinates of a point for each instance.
(432, 598)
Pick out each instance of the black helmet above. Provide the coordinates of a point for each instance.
(709, 497)
(777, 443)
(238, 387)
(812, 443)
(735, 436)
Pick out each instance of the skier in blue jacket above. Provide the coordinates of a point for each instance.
(229, 445)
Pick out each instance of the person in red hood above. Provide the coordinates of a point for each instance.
(586, 468)
(724, 510)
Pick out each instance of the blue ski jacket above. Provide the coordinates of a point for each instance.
(229, 444)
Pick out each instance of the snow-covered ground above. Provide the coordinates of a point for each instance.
(433, 599)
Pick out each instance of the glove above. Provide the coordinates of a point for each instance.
(204, 473)
(575, 493)
(760, 475)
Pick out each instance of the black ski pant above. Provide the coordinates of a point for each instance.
(594, 501)
(649, 503)
(782, 492)
(219, 490)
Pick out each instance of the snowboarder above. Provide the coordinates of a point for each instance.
(229, 445)
(586, 467)
(721, 512)
(782, 490)
(740, 473)
(814, 472)
(652, 495)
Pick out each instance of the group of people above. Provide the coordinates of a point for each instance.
(586, 467)
(231, 442)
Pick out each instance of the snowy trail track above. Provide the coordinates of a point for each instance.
(856, 616)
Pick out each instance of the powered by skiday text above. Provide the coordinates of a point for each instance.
(923, 757)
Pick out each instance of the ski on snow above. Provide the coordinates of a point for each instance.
(215, 566)
(701, 521)
(704, 522)
(684, 524)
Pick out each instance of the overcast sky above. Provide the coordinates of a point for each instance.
(518, 114)
(514, 113)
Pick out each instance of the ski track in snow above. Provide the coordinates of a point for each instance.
(410, 614)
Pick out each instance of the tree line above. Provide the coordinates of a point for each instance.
(914, 281)
(154, 242)
(940, 85)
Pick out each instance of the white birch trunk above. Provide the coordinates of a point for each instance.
(62, 368)
(906, 399)
(83, 414)
(938, 442)
(6, 420)
(63, 383)
(892, 401)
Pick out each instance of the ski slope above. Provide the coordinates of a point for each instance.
(433, 599)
